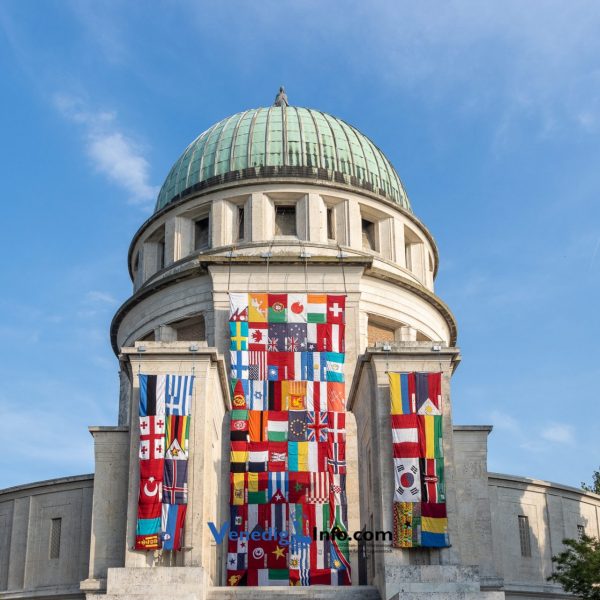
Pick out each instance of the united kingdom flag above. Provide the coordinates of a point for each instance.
(317, 426)
(272, 344)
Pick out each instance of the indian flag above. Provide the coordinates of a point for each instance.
(316, 308)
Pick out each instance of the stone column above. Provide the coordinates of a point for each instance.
(124, 392)
(209, 404)
(395, 571)
(107, 544)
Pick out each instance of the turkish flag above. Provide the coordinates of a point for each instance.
(153, 467)
(150, 491)
(150, 510)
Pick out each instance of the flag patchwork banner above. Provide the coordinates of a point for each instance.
(419, 502)
(164, 421)
(287, 436)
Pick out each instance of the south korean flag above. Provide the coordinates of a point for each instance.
(407, 480)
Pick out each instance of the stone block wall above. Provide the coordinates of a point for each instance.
(33, 562)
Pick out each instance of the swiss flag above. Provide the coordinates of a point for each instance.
(336, 309)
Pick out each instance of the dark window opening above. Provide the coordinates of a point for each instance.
(136, 263)
(524, 536)
(190, 330)
(149, 337)
(368, 235)
(580, 532)
(330, 225)
(285, 220)
(201, 233)
(160, 252)
(55, 527)
(240, 223)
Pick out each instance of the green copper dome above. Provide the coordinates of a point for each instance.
(283, 142)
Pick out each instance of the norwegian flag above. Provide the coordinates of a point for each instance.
(336, 458)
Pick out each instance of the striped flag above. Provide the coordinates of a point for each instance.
(178, 394)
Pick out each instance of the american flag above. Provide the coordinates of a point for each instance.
(258, 365)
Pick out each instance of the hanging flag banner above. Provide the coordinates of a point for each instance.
(419, 512)
(164, 418)
(287, 432)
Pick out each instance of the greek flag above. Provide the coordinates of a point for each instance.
(178, 394)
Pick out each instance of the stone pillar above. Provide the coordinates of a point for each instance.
(353, 224)
(107, 544)
(386, 238)
(473, 499)
(179, 239)
(398, 241)
(209, 404)
(18, 544)
(124, 392)
(395, 571)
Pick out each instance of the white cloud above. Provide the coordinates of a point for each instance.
(504, 421)
(112, 152)
(100, 297)
(559, 433)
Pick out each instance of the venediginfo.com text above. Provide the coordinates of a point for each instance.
(284, 537)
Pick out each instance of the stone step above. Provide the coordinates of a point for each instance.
(440, 595)
(174, 593)
(315, 592)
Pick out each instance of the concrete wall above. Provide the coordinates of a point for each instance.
(487, 517)
(553, 511)
(26, 513)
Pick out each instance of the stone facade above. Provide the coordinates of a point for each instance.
(341, 238)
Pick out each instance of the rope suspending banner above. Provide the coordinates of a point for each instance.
(341, 259)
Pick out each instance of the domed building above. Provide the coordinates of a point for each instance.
(288, 202)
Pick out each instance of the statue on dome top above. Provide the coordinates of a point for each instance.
(281, 99)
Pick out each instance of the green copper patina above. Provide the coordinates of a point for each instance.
(284, 142)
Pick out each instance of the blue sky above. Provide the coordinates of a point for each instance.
(490, 113)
